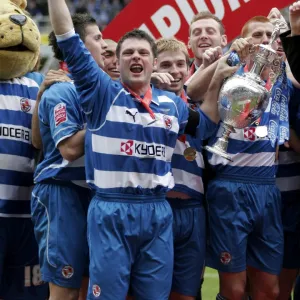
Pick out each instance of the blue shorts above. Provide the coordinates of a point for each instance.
(189, 230)
(130, 241)
(59, 214)
(19, 265)
(245, 225)
(291, 228)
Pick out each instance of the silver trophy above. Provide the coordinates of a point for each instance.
(244, 98)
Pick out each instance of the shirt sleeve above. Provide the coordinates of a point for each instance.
(63, 112)
(207, 128)
(92, 84)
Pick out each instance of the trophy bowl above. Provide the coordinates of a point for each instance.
(243, 99)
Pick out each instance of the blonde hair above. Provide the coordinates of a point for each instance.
(172, 44)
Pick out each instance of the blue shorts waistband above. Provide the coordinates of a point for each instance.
(185, 203)
(129, 198)
(246, 179)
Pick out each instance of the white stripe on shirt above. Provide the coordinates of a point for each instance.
(12, 192)
(190, 180)
(118, 114)
(22, 81)
(115, 179)
(112, 146)
(14, 103)
(262, 159)
(16, 163)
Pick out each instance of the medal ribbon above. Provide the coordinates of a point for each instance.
(183, 96)
(191, 71)
(144, 101)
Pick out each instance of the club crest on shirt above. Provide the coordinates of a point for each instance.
(225, 258)
(67, 272)
(25, 104)
(60, 114)
(168, 121)
(96, 290)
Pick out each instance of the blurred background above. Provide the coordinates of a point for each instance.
(102, 10)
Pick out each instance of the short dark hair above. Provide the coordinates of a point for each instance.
(80, 21)
(207, 15)
(140, 35)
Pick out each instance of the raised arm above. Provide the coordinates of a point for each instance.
(197, 85)
(60, 16)
(91, 82)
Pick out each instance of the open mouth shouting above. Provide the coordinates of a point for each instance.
(136, 69)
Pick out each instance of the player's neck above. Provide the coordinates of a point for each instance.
(179, 93)
(197, 62)
(139, 89)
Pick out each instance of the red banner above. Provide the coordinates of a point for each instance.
(167, 18)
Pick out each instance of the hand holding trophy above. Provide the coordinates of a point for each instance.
(244, 98)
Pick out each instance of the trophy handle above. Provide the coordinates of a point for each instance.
(221, 145)
(275, 70)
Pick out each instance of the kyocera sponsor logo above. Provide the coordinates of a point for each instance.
(131, 147)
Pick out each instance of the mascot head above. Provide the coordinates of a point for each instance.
(19, 40)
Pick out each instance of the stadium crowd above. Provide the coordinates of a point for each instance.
(103, 11)
(123, 202)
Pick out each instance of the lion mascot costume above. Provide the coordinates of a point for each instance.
(19, 85)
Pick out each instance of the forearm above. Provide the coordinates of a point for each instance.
(60, 16)
(73, 147)
(210, 104)
(199, 84)
(35, 125)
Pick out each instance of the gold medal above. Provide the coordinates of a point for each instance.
(190, 154)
